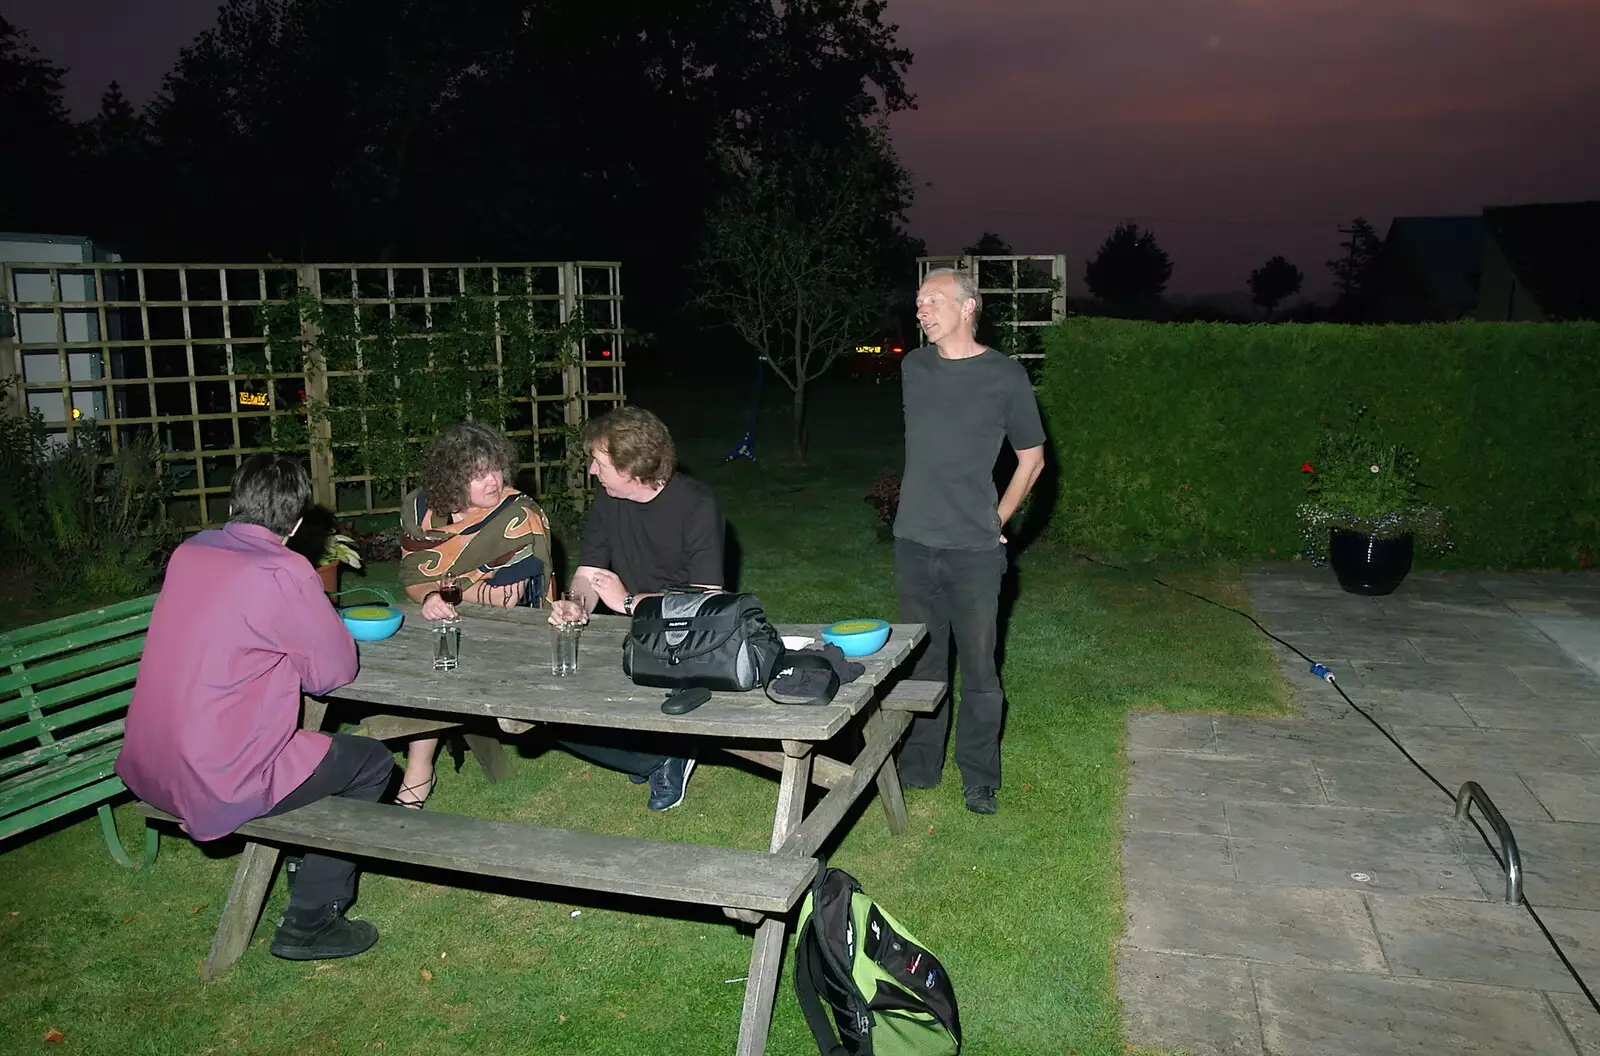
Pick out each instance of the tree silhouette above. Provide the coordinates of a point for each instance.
(1130, 267)
(989, 244)
(1355, 271)
(35, 191)
(1275, 282)
(794, 259)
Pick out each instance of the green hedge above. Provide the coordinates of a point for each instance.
(1189, 438)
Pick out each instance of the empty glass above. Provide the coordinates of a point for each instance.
(446, 646)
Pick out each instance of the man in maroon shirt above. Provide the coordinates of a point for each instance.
(240, 630)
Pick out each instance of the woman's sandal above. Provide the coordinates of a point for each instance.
(426, 788)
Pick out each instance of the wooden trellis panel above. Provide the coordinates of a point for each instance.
(180, 351)
(1025, 291)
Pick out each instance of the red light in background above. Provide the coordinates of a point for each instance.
(898, 349)
(605, 353)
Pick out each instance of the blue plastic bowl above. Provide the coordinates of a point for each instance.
(857, 637)
(372, 623)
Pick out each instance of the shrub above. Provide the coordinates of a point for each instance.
(1190, 438)
(86, 524)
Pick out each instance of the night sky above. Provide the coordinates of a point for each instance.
(1235, 129)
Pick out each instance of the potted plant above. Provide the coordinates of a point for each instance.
(1363, 514)
(339, 550)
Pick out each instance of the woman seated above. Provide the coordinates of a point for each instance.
(467, 522)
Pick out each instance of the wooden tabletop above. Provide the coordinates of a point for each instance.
(504, 672)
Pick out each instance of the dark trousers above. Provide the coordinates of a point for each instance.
(627, 760)
(955, 593)
(357, 768)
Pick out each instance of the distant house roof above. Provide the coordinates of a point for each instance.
(1448, 250)
(1554, 250)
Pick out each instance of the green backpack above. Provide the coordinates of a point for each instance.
(889, 995)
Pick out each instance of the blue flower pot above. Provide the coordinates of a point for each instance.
(1366, 564)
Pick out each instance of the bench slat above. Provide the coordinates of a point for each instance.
(22, 636)
(623, 865)
(77, 689)
(27, 654)
(94, 795)
(60, 720)
(910, 694)
(77, 742)
(47, 782)
(56, 670)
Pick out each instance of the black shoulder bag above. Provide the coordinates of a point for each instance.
(691, 637)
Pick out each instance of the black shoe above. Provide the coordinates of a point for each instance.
(980, 799)
(329, 936)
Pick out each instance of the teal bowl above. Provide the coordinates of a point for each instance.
(857, 637)
(371, 623)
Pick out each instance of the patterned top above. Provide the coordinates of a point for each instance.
(508, 544)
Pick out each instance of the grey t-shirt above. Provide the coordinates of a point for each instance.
(957, 413)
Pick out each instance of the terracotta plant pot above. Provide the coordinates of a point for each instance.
(1366, 564)
(330, 576)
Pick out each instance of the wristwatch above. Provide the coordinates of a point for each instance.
(627, 605)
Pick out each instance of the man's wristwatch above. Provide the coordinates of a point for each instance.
(627, 605)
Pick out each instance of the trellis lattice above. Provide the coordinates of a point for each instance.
(352, 364)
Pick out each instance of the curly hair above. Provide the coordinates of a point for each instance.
(456, 456)
(636, 441)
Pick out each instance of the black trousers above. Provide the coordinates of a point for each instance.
(956, 593)
(357, 768)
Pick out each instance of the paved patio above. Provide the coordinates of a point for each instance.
(1295, 887)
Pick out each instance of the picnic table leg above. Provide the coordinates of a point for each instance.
(792, 791)
(894, 800)
(761, 988)
(243, 909)
(491, 756)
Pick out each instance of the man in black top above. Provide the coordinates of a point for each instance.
(962, 401)
(650, 527)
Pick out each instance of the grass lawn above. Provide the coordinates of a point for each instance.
(1024, 907)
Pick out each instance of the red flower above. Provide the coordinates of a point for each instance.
(1307, 467)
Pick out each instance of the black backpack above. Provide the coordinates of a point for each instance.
(692, 637)
(889, 995)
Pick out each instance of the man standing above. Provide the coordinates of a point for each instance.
(961, 401)
(240, 630)
(650, 528)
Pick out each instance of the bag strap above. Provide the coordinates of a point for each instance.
(805, 989)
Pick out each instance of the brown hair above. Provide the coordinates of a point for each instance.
(636, 442)
(456, 456)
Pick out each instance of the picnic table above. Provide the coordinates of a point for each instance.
(504, 678)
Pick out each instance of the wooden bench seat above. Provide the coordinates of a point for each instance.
(64, 691)
(624, 865)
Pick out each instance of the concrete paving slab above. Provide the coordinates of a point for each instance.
(1547, 841)
(1568, 797)
(1524, 653)
(1204, 1006)
(1531, 712)
(1472, 942)
(1580, 1019)
(1346, 737)
(1492, 628)
(1578, 932)
(1437, 678)
(1368, 644)
(1183, 733)
(1417, 708)
(1514, 749)
(1207, 817)
(1579, 637)
(1397, 785)
(1571, 680)
(1149, 858)
(1324, 828)
(1321, 1013)
(1359, 867)
(1295, 926)
(1546, 884)
(1525, 606)
(1217, 777)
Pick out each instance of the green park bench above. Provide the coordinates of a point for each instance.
(64, 691)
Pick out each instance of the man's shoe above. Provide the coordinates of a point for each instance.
(668, 783)
(981, 799)
(329, 936)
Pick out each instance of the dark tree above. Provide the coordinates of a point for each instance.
(989, 244)
(1275, 282)
(1355, 271)
(1131, 267)
(39, 138)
